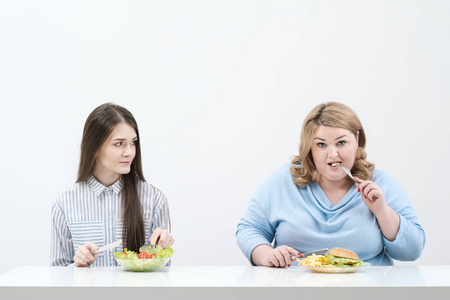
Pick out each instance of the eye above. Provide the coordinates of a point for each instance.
(342, 143)
(320, 145)
(134, 142)
(118, 144)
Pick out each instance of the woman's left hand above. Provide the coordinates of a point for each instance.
(161, 237)
(371, 194)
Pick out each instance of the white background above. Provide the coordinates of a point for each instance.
(220, 90)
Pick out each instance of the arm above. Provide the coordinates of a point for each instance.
(410, 239)
(254, 236)
(389, 222)
(387, 218)
(61, 246)
(160, 225)
(403, 236)
(265, 255)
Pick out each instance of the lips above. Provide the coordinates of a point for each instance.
(125, 162)
(334, 162)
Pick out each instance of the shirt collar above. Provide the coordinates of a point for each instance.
(99, 188)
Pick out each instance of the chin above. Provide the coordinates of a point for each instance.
(123, 172)
(334, 178)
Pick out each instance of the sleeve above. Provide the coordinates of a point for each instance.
(254, 229)
(410, 240)
(161, 213)
(61, 245)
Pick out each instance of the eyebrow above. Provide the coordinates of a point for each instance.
(122, 139)
(340, 137)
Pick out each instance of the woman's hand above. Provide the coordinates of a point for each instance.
(265, 255)
(83, 256)
(161, 237)
(372, 195)
(388, 219)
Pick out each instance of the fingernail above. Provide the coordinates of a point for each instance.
(358, 190)
(289, 265)
(299, 254)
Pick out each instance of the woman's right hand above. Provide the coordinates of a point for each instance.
(83, 256)
(280, 257)
(161, 237)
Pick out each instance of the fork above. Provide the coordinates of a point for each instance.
(107, 247)
(347, 171)
(306, 254)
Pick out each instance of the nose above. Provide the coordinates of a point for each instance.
(333, 152)
(126, 151)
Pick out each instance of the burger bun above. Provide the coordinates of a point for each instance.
(344, 253)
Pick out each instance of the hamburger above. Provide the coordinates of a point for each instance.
(341, 257)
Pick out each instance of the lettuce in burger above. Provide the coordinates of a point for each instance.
(341, 257)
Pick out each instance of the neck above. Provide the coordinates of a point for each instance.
(329, 186)
(106, 179)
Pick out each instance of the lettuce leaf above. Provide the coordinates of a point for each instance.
(126, 254)
(343, 262)
(158, 250)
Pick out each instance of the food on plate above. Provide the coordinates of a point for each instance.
(337, 257)
(146, 260)
(145, 252)
(341, 257)
(314, 261)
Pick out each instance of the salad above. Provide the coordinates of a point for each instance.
(146, 260)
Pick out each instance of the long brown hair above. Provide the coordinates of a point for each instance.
(99, 124)
(331, 114)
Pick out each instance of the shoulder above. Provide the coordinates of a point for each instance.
(72, 192)
(277, 179)
(387, 182)
(68, 197)
(383, 178)
(150, 193)
(279, 175)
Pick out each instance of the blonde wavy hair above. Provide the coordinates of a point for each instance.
(331, 114)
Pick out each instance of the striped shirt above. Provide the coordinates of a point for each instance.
(92, 212)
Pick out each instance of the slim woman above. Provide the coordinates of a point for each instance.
(311, 204)
(110, 200)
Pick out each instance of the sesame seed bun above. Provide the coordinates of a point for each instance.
(345, 253)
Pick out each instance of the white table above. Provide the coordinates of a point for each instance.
(215, 282)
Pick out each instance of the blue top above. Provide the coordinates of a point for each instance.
(304, 218)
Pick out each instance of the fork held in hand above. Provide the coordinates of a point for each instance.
(347, 171)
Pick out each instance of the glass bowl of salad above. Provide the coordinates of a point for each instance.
(148, 259)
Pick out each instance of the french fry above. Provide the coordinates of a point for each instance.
(314, 261)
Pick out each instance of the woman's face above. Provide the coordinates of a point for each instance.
(333, 145)
(115, 156)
